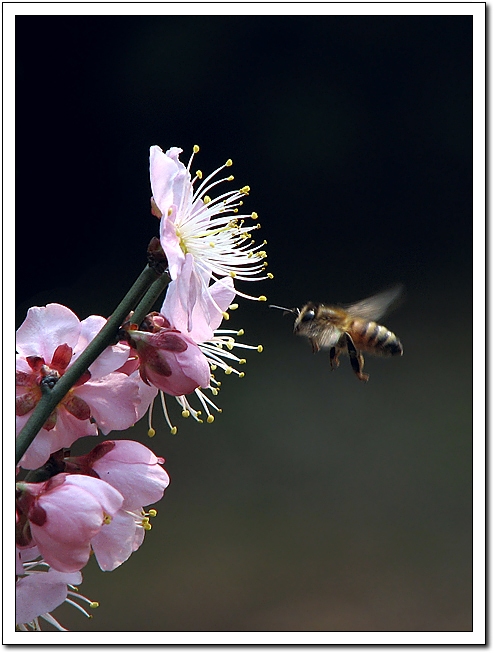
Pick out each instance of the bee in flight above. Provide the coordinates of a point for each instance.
(352, 329)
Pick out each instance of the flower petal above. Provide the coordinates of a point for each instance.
(113, 401)
(45, 328)
(42, 592)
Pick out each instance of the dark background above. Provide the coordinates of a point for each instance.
(314, 502)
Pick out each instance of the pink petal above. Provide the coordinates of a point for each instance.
(113, 401)
(114, 543)
(147, 393)
(135, 472)
(112, 357)
(207, 311)
(42, 592)
(67, 430)
(188, 370)
(46, 327)
(171, 245)
(162, 170)
(110, 499)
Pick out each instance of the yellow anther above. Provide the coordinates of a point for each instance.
(185, 413)
(260, 348)
(214, 367)
(240, 332)
(232, 274)
(235, 210)
(199, 174)
(107, 519)
(170, 211)
(147, 526)
(210, 419)
(242, 361)
(262, 298)
(151, 432)
(254, 215)
(230, 178)
(93, 605)
(230, 344)
(211, 244)
(195, 149)
(233, 307)
(206, 199)
(214, 391)
(241, 375)
(228, 370)
(245, 190)
(229, 163)
(270, 275)
(152, 512)
(173, 430)
(225, 315)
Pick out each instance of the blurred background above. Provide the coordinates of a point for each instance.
(314, 502)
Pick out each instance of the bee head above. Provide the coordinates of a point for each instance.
(304, 319)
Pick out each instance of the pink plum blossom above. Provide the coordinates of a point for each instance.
(40, 589)
(62, 515)
(133, 470)
(210, 231)
(49, 340)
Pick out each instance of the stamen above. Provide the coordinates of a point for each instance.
(173, 429)
(79, 607)
(151, 431)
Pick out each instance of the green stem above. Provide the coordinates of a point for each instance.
(51, 398)
(146, 303)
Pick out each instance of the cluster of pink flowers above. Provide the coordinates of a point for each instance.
(95, 503)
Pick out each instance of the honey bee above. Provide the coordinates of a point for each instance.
(350, 329)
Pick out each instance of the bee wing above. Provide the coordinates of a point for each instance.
(374, 307)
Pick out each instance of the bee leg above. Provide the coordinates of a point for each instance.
(356, 359)
(315, 346)
(333, 358)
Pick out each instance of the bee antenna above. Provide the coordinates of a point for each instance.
(295, 311)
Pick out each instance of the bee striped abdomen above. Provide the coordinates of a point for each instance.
(375, 338)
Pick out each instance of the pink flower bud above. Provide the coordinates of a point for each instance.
(171, 361)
